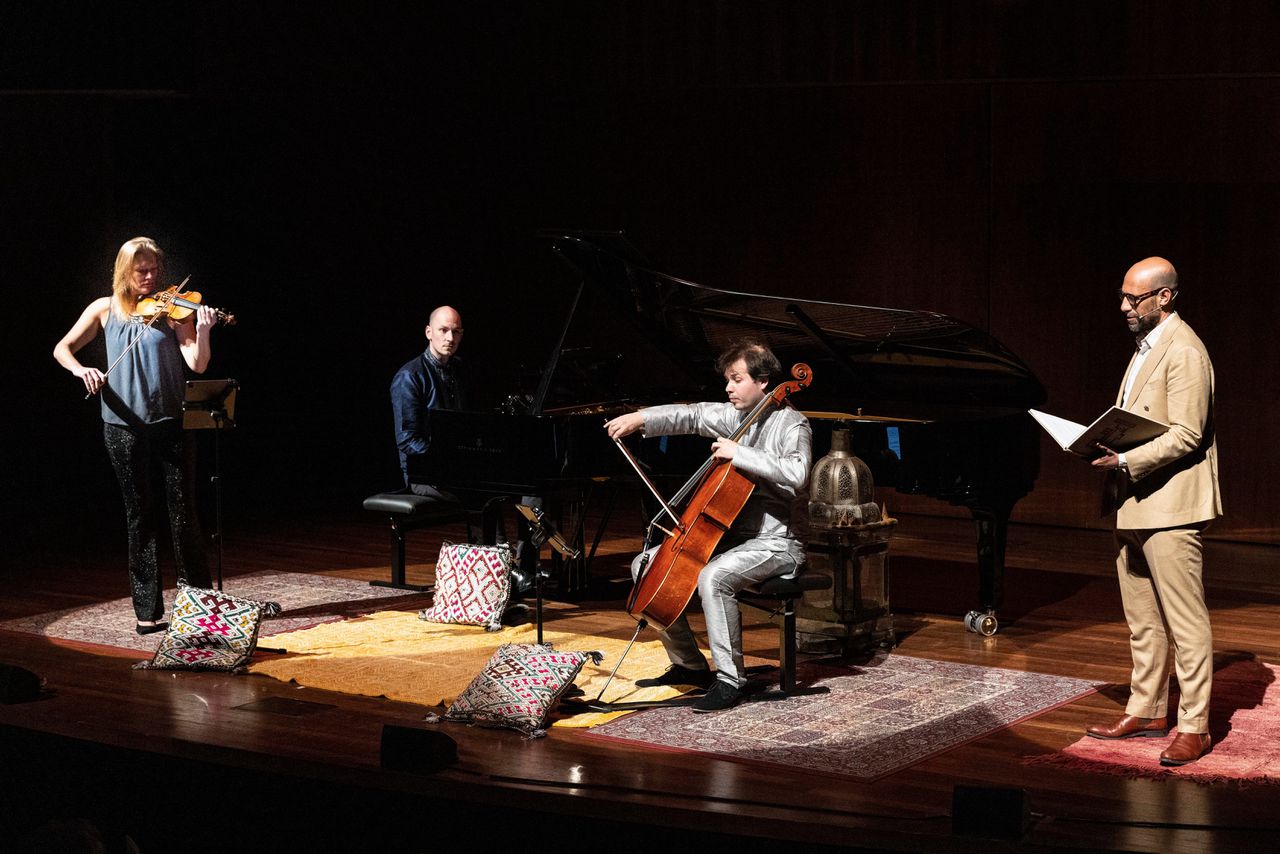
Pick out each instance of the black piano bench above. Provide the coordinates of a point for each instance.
(778, 596)
(407, 512)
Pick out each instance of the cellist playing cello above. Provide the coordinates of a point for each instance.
(775, 453)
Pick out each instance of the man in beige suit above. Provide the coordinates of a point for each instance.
(1167, 494)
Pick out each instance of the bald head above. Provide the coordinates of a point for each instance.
(444, 332)
(1152, 273)
(1147, 294)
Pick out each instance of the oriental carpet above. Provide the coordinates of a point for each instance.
(306, 600)
(878, 718)
(1244, 720)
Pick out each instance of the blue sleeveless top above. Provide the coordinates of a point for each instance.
(148, 385)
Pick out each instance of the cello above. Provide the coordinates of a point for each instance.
(719, 492)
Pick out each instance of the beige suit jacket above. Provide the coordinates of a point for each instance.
(1173, 479)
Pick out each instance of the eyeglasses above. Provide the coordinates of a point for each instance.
(1135, 299)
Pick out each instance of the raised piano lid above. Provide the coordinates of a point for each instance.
(881, 361)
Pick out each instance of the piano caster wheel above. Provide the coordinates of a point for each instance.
(981, 622)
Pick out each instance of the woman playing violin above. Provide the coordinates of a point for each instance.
(142, 416)
(775, 453)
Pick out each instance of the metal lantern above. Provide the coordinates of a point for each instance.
(849, 541)
(840, 488)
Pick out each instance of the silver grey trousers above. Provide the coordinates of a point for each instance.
(728, 572)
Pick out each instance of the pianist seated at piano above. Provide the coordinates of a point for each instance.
(432, 380)
(775, 453)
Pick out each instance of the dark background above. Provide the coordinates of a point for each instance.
(331, 172)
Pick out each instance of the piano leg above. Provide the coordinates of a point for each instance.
(491, 521)
(993, 529)
(572, 575)
(605, 515)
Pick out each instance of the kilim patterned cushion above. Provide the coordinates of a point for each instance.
(473, 584)
(519, 687)
(209, 630)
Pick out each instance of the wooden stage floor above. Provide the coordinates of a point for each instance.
(173, 760)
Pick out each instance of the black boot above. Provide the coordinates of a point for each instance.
(678, 675)
(719, 697)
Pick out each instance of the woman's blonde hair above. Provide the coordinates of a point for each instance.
(123, 299)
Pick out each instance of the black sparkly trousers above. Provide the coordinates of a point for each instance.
(140, 456)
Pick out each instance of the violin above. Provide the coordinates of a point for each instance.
(173, 303)
(177, 306)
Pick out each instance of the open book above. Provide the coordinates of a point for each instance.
(1116, 428)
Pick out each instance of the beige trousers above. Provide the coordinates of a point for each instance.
(1163, 595)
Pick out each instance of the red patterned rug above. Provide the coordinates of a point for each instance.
(306, 600)
(878, 718)
(1244, 720)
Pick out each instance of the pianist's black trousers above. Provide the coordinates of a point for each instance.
(140, 456)
(431, 492)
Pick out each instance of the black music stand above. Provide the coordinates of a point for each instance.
(211, 405)
(542, 531)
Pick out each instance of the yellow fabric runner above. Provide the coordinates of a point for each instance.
(395, 655)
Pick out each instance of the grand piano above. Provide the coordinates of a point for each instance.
(935, 406)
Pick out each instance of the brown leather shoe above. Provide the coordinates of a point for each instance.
(1131, 727)
(1186, 747)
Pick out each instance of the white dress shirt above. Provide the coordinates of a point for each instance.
(1144, 347)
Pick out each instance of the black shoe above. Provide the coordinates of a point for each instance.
(677, 675)
(152, 629)
(721, 696)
